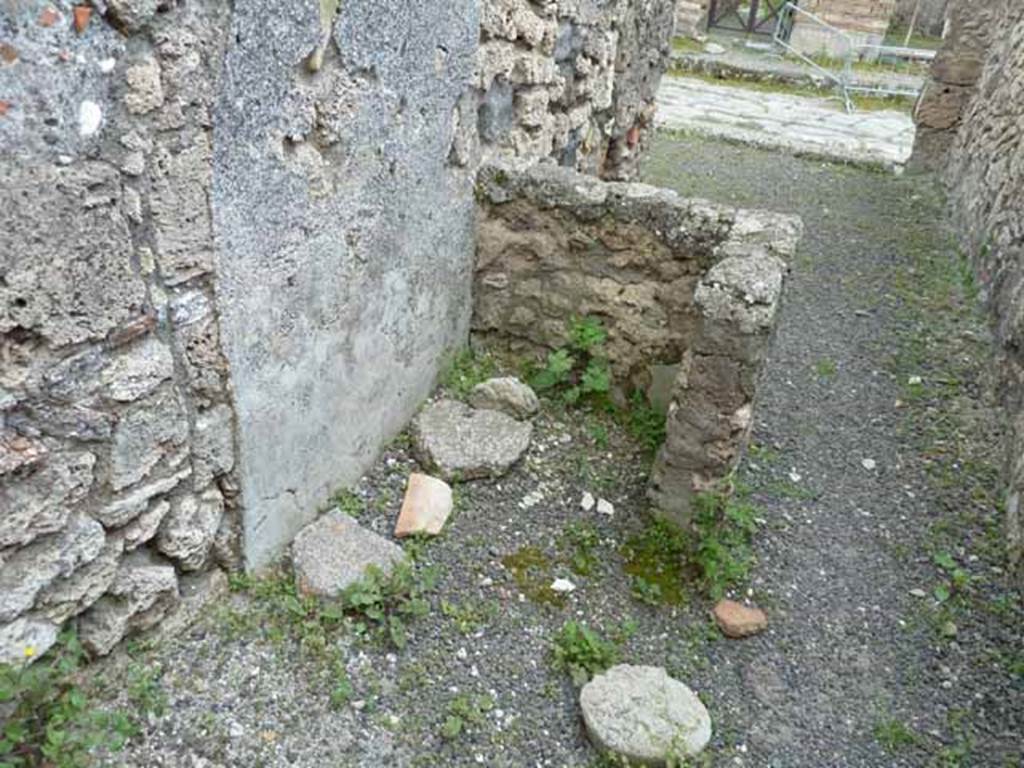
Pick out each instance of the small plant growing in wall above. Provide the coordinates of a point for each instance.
(580, 369)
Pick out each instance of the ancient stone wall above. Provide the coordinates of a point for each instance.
(678, 284)
(116, 430)
(571, 79)
(979, 154)
(237, 249)
(953, 80)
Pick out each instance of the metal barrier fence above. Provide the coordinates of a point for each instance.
(849, 52)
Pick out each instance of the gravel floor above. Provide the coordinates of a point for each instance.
(869, 483)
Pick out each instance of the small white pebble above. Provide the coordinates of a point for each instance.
(107, 65)
(605, 507)
(562, 586)
(587, 502)
(89, 118)
(868, 464)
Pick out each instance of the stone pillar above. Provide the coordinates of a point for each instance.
(712, 406)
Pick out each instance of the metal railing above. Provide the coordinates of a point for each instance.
(849, 52)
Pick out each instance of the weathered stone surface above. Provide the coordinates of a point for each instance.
(460, 442)
(334, 552)
(124, 509)
(198, 590)
(213, 444)
(132, 15)
(39, 502)
(32, 568)
(737, 620)
(181, 214)
(644, 715)
(187, 533)
(138, 371)
(68, 284)
(18, 451)
(142, 594)
(145, 91)
(144, 527)
(71, 595)
(426, 506)
(508, 395)
(26, 639)
(345, 239)
(149, 431)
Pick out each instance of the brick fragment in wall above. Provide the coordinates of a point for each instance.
(144, 591)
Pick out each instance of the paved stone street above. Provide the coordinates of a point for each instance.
(802, 125)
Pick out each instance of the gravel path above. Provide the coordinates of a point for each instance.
(869, 484)
(805, 125)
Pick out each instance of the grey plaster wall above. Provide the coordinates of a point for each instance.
(345, 238)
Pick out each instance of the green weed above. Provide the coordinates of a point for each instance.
(49, 719)
(579, 370)
(465, 710)
(581, 652)
(893, 735)
(725, 527)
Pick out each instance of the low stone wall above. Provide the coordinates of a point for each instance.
(671, 280)
(977, 148)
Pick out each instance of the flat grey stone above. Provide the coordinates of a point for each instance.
(506, 394)
(644, 715)
(334, 552)
(461, 443)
